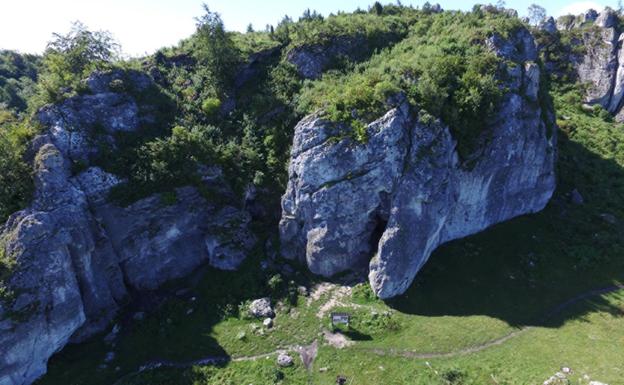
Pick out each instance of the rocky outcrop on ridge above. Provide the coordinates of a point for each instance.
(598, 57)
(389, 203)
(77, 255)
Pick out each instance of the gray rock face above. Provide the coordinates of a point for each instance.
(549, 25)
(391, 202)
(312, 60)
(601, 66)
(78, 255)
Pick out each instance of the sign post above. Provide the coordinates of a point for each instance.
(340, 319)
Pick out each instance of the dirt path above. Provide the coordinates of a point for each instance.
(312, 349)
(501, 340)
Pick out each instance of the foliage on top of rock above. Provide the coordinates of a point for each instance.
(443, 66)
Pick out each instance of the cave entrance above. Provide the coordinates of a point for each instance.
(380, 223)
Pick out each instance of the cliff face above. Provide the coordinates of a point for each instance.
(389, 203)
(600, 65)
(78, 255)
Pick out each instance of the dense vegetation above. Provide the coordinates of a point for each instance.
(442, 67)
(18, 75)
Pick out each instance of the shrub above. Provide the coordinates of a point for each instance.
(70, 58)
(441, 67)
(15, 179)
(211, 106)
(216, 49)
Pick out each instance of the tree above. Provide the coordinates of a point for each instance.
(377, 8)
(282, 32)
(70, 58)
(309, 15)
(82, 48)
(537, 14)
(250, 28)
(216, 50)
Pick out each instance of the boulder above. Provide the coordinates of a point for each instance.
(284, 360)
(576, 197)
(261, 308)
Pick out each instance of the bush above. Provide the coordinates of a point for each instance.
(276, 284)
(211, 106)
(439, 67)
(70, 58)
(16, 184)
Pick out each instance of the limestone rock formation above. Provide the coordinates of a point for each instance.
(77, 255)
(390, 202)
(600, 61)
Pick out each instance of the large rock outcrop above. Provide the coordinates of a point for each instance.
(390, 202)
(77, 255)
(598, 57)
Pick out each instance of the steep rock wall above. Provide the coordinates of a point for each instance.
(600, 65)
(392, 201)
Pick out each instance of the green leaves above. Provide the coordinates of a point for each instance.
(15, 179)
(439, 67)
(72, 57)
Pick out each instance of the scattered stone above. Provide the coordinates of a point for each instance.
(140, 316)
(558, 379)
(566, 370)
(284, 360)
(241, 336)
(576, 197)
(609, 218)
(303, 291)
(193, 299)
(268, 323)
(112, 336)
(189, 311)
(323, 369)
(597, 383)
(110, 356)
(261, 308)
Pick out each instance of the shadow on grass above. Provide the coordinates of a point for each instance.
(530, 270)
(356, 335)
(168, 328)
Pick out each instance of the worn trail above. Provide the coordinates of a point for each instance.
(219, 360)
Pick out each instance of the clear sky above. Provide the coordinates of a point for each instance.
(142, 26)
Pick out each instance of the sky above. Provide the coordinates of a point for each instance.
(143, 26)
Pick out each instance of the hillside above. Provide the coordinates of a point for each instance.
(452, 180)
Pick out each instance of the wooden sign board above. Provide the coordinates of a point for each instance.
(340, 318)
